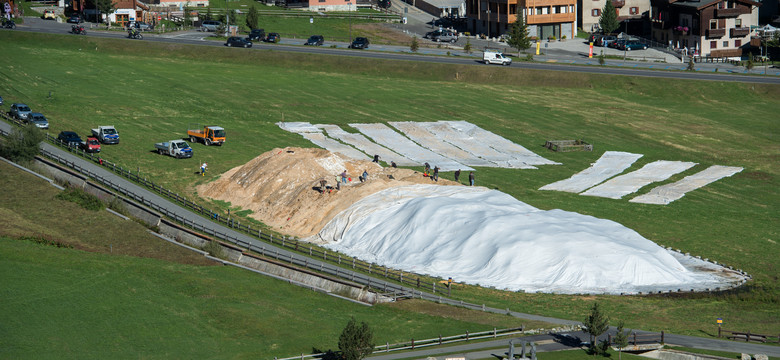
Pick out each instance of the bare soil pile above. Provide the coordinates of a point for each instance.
(281, 187)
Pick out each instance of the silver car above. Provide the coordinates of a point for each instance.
(210, 25)
(445, 36)
(39, 120)
(19, 111)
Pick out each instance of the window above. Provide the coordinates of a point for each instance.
(713, 44)
(713, 24)
(737, 43)
(738, 22)
(596, 12)
(722, 5)
(725, 43)
(633, 10)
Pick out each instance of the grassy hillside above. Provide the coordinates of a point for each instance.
(151, 92)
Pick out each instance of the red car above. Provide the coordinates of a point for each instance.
(91, 145)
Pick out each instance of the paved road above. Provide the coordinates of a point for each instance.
(562, 58)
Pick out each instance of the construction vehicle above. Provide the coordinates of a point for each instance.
(176, 148)
(209, 135)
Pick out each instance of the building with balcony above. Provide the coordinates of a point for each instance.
(545, 18)
(705, 28)
(589, 12)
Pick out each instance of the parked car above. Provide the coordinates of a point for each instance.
(315, 40)
(140, 25)
(49, 15)
(92, 145)
(257, 35)
(238, 42)
(273, 38)
(594, 38)
(19, 111)
(359, 43)
(210, 25)
(75, 19)
(445, 36)
(617, 44)
(606, 40)
(69, 138)
(1, 100)
(633, 45)
(38, 120)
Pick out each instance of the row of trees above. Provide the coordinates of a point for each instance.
(596, 324)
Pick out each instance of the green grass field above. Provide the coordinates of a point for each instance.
(151, 92)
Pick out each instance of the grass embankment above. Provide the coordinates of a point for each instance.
(153, 97)
(132, 293)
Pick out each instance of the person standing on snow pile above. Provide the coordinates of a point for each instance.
(376, 158)
(436, 173)
(457, 175)
(471, 178)
(344, 176)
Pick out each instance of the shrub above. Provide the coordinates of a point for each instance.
(82, 198)
(22, 144)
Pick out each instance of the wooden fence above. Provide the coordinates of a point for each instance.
(747, 336)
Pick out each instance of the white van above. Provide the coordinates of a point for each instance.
(495, 57)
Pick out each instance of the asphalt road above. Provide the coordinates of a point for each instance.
(388, 52)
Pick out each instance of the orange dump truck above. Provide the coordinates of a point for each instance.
(209, 135)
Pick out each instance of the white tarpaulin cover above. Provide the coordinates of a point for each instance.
(665, 194)
(626, 184)
(486, 237)
(500, 144)
(389, 138)
(367, 146)
(417, 132)
(608, 165)
(298, 127)
(329, 144)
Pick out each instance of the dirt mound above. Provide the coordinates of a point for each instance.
(281, 187)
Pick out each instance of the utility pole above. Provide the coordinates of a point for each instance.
(349, 13)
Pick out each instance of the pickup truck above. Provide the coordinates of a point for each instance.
(209, 135)
(91, 145)
(106, 134)
(176, 148)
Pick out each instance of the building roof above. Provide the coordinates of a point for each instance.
(446, 4)
(701, 4)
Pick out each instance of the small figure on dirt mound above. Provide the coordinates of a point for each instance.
(392, 163)
(338, 182)
(376, 158)
(323, 186)
(457, 175)
(344, 176)
(203, 169)
(471, 178)
(436, 173)
(364, 177)
(427, 169)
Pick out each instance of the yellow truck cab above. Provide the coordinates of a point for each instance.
(209, 135)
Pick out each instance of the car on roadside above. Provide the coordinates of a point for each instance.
(445, 36)
(210, 25)
(617, 44)
(605, 40)
(19, 111)
(633, 45)
(359, 43)
(91, 145)
(75, 19)
(49, 15)
(38, 120)
(257, 35)
(273, 38)
(69, 138)
(1, 100)
(315, 40)
(237, 41)
(143, 26)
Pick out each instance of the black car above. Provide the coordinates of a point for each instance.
(273, 38)
(257, 35)
(359, 43)
(70, 138)
(75, 19)
(238, 41)
(315, 40)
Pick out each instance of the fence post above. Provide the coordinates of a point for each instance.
(494, 333)
(467, 335)
(439, 339)
(418, 282)
(662, 337)
(719, 335)
(412, 344)
(634, 339)
(609, 339)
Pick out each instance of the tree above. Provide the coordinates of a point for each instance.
(608, 21)
(187, 14)
(595, 325)
(106, 7)
(22, 144)
(208, 14)
(415, 45)
(621, 339)
(467, 47)
(356, 342)
(252, 18)
(518, 35)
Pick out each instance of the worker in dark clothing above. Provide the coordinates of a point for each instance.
(323, 185)
(471, 178)
(436, 173)
(457, 175)
(427, 169)
(392, 163)
(376, 158)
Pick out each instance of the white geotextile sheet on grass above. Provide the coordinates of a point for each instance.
(329, 144)
(467, 142)
(626, 184)
(391, 139)
(665, 194)
(611, 163)
(367, 146)
(298, 127)
(500, 144)
(417, 132)
(486, 237)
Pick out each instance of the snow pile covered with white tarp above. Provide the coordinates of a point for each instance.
(486, 237)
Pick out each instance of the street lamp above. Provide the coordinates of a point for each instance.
(349, 13)
(488, 20)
